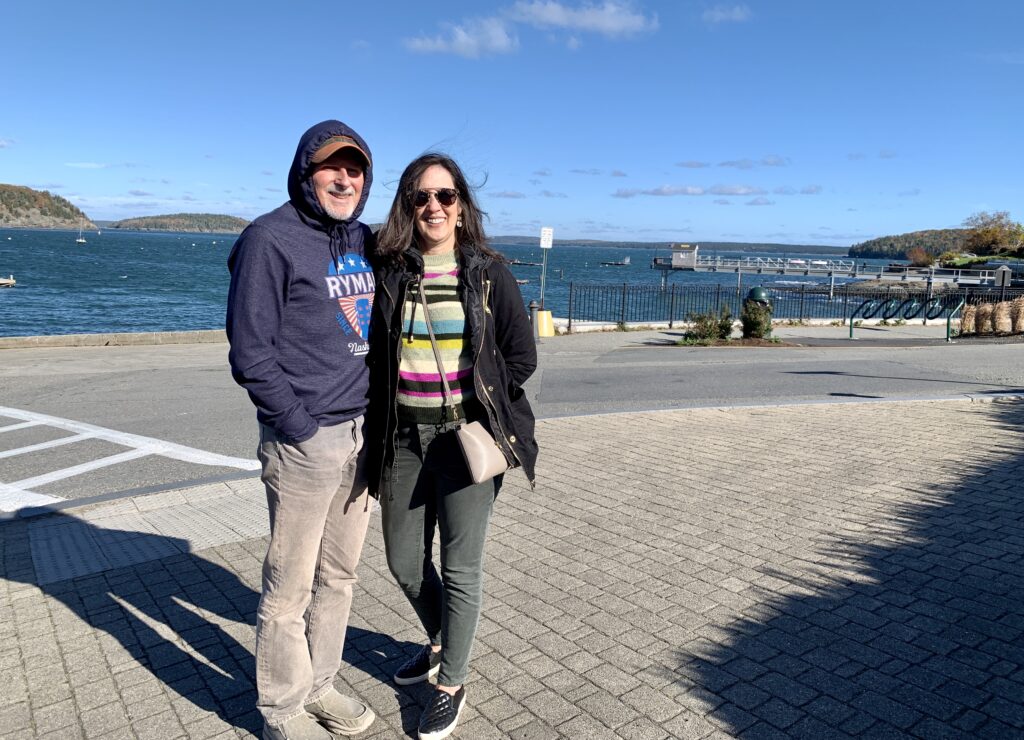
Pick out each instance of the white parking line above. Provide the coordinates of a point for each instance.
(18, 494)
(154, 446)
(45, 445)
(16, 427)
(56, 475)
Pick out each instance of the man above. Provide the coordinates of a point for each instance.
(297, 319)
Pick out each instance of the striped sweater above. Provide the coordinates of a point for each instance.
(420, 393)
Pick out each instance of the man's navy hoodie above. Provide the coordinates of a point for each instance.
(299, 305)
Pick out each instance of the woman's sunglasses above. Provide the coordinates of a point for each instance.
(445, 196)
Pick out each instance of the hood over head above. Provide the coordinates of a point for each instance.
(335, 135)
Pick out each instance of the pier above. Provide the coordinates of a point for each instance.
(685, 257)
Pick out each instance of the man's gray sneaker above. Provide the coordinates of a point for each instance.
(303, 727)
(423, 665)
(341, 714)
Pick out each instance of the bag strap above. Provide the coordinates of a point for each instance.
(448, 400)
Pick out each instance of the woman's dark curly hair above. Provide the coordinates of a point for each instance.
(399, 232)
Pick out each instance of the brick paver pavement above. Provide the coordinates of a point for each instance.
(813, 571)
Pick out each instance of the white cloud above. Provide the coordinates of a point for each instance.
(727, 14)
(619, 173)
(760, 202)
(784, 190)
(664, 190)
(736, 190)
(887, 154)
(472, 39)
(140, 194)
(740, 164)
(591, 171)
(542, 173)
(550, 194)
(573, 43)
(6, 143)
(722, 202)
(774, 160)
(610, 18)
(810, 190)
(508, 194)
(910, 193)
(86, 165)
(692, 164)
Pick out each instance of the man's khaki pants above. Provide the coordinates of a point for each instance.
(319, 511)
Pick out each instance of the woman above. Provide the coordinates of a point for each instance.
(434, 237)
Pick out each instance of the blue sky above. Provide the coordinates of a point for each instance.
(792, 121)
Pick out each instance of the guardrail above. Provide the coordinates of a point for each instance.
(626, 304)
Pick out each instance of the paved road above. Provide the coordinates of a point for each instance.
(170, 414)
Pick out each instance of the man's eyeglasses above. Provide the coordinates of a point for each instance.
(445, 196)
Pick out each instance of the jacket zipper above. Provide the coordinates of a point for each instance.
(483, 336)
(394, 402)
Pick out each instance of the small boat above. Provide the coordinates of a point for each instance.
(80, 239)
(522, 282)
(8, 282)
(524, 264)
(623, 263)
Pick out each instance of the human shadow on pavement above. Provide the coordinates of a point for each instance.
(913, 627)
(180, 616)
(378, 656)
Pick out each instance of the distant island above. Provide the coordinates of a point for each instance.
(201, 223)
(704, 246)
(25, 208)
(933, 241)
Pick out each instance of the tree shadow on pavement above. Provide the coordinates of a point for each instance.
(913, 627)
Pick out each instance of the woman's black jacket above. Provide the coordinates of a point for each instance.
(504, 356)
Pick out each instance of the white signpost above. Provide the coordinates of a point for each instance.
(547, 236)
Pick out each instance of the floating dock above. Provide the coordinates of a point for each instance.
(685, 257)
(8, 282)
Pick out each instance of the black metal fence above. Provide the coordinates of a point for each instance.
(625, 304)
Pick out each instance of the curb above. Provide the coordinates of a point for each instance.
(120, 339)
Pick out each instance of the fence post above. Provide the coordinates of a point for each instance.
(672, 306)
(571, 296)
(718, 299)
(846, 302)
(803, 289)
(622, 313)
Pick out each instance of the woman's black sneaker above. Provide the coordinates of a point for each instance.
(442, 714)
(422, 666)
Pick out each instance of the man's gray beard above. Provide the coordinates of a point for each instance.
(338, 214)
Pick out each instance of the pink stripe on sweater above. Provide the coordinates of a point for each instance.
(431, 275)
(428, 394)
(436, 377)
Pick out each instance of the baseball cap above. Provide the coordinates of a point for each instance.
(336, 144)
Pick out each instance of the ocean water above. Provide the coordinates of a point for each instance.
(134, 282)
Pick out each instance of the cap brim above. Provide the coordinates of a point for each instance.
(334, 145)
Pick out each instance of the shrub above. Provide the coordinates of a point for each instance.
(983, 318)
(919, 257)
(1017, 315)
(756, 320)
(707, 327)
(967, 319)
(1001, 323)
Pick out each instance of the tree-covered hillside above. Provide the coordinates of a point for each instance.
(206, 223)
(933, 241)
(39, 209)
